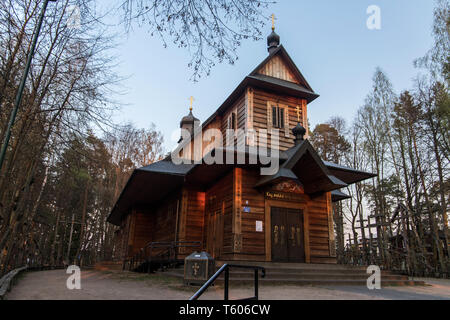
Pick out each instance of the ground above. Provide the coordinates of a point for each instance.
(102, 285)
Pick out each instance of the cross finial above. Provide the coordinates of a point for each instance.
(273, 22)
(195, 267)
(191, 101)
(298, 113)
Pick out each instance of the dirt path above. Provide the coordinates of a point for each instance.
(100, 285)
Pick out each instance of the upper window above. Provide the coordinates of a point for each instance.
(278, 114)
(232, 121)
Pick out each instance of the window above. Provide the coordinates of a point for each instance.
(232, 121)
(278, 117)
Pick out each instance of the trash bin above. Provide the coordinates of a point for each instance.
(198, 268)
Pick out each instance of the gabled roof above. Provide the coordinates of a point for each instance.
(288, 60)
(315, 180)
(257, 80)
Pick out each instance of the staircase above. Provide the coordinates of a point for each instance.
(307, 274)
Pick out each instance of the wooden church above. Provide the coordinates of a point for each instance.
(232, 210)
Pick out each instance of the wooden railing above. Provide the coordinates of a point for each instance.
(226, 269)
(158, 252)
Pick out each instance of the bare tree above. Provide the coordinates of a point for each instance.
(210, 30)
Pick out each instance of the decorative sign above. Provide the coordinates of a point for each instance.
(272, 195)
(259, 226)
(288, 186)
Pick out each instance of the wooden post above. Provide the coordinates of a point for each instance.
(331, 241)
(237, 210)
(364, 239)
(371, 241)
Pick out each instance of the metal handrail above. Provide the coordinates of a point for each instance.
(226, 268)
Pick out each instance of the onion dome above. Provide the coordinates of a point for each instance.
(299, 133)
(189, 119)
(273, 41)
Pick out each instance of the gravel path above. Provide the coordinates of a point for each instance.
(101, 285)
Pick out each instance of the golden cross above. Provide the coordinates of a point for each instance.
(195, 267)
(191, 99)
(273, 22)
(298, 113)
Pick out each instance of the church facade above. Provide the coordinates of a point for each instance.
(232, 208)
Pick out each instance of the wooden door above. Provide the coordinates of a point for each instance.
(295, 233)
(287, 235)
(214, 234)
(279, 245)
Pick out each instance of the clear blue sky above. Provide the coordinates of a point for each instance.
(327, 39)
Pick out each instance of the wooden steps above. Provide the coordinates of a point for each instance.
(307, 274)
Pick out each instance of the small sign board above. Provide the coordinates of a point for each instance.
(259, 226)
(278, 195)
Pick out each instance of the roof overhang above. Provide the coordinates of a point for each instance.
(346, 174)
(337, 195)
(142, 190)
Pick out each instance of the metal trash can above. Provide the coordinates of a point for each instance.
(198, 268)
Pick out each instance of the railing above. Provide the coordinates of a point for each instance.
(226, 268)
(168, 253)
(7, 280)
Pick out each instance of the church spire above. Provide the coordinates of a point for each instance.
(189, 122)
(273, 40)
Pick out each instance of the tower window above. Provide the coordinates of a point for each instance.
(278, 117)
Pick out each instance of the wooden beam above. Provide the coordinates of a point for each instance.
(331, 240)
(237, 210)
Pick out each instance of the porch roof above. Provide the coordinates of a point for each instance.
(316, 179)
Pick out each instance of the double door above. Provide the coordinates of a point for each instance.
(288, 244)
